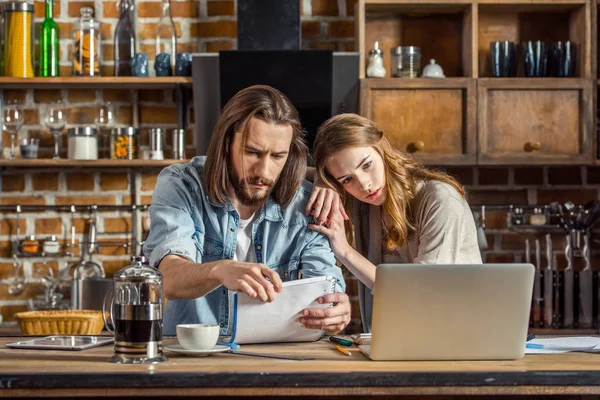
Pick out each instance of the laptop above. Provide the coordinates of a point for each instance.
(450, 312)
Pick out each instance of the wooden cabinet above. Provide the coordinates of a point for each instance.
(539, 121)
(470, 117)
(433, 119)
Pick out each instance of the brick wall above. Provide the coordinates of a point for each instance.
(210, 25)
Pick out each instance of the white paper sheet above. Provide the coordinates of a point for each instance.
(565, 345)
(259, 322)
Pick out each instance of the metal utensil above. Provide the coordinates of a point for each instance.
(528, 261)
(89, 268)
(246, 353)
(540, 294)
(548, 290)
(568, 284)
(585, 285)
(556, 284)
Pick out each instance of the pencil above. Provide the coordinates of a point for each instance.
(342, 350)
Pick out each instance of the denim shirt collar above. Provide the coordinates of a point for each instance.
(270, 210)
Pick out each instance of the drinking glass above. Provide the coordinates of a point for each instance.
(56, 120)
(103, 120)
(12, 119)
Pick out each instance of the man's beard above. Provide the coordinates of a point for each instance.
(243, 191)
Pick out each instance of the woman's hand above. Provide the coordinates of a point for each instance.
(324, 202)
(335, 230)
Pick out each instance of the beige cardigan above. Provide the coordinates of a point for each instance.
(445, 234)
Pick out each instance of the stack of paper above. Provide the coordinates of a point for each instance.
(563, 345)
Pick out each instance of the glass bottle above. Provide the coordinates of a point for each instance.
(124, 38)
(48, 65)
(18, 39)
(166, 33)
(87, 54)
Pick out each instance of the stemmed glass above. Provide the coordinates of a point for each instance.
(55, 121)
(12, 119)
(103, 120)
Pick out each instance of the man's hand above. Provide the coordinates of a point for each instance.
(334, 319)
(249, 278)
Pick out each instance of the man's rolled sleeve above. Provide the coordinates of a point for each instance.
(173, 229)
(318, 259)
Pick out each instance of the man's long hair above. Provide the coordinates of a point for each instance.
(273, 107)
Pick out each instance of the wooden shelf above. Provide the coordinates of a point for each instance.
(50, 163)
(534, 83)
(107, 82)
(419, 83)
(551, 331)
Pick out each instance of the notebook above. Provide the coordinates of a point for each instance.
(257, 322)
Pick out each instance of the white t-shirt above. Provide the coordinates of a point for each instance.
(244, 249)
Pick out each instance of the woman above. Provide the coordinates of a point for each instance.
(401, 211)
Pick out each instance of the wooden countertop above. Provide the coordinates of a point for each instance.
(65, 373)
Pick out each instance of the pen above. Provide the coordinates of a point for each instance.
(530, 337)
(343, 342)
(342, 350)
(534, 346)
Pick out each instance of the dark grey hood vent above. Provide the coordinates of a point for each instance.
(268, 24)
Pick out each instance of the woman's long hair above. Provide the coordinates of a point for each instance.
(402, 172)
(273, 107)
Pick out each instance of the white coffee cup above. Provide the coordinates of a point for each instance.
(198, 336)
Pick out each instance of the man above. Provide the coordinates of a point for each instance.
(235, 219)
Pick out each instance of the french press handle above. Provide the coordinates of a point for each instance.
(111, 307)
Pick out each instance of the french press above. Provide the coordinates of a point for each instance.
(136, 314)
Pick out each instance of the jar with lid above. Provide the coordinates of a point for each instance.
(30, 245)
(51, 245)
(376, 68)
(82, 143)
(124, 143)
(538, 217)
(87, 54)
(17, 58)
(406, 61)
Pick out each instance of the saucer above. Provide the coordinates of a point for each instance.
(196, 353)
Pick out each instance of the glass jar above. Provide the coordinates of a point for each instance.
(87, 54)
(538, 217)
(30, 245)
(51, 245)
(405, 61)
(124, 143)
(82, 143)
(18, 39)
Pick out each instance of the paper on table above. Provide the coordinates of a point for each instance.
(565, 345)
(258, 322)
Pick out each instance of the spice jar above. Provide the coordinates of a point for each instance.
(86, 49)
(30, 245)
(124, 143)
(18, 39)
(51, 245)
(83, 143)
(405, 61)
(538, 217)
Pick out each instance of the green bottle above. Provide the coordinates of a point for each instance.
(48, 65)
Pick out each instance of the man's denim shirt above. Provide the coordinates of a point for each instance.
(184, 222)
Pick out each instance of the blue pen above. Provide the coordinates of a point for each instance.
(534, 346)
